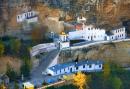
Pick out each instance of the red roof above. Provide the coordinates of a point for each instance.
(79, 26)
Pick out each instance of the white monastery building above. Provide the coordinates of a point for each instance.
(73, 67)
(90, 33)
(30, 16)
(117, 34)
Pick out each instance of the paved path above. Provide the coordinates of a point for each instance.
(36, 75)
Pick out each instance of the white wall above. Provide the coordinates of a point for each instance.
(23, 16)
(50, 72)
(75, 34)
(88, 33)
(119, 34)
(63, 37)
(62, 71)
(98, 67)
(35, 19)
(42, 48)
(94, 34)
(64, 45)
(94, 67)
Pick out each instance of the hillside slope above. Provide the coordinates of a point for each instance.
(117, 52)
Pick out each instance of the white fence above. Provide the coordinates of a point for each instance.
(42, 48)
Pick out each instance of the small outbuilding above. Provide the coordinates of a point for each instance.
(28, 85)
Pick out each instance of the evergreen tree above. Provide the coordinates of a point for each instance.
(116, 83)
(16, 86)
(11, 73)
(25, 68)
(15, 45)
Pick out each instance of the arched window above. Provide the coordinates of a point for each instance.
(25, 15)
(31, 14)
(83, 66)
(28, 14)
(18, 17)
(90, 66)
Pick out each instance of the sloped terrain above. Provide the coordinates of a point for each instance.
(13, 62)
(117, 52)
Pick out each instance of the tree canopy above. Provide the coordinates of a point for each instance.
(2, 48)
(80, 80)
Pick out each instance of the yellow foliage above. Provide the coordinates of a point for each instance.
(80, 80)
(107, 70)
(68, 77)
(2, 86)
(2, 48)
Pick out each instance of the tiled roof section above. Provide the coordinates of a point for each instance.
(62, 66)
(79, 26)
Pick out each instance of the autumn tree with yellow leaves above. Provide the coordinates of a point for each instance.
(2, 86)
(80, 80)
(107, 70)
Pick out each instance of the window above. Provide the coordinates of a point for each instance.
(83, 66)
(18, 17)
(88, 37)
(90, 66)
(31, 14)
(56, 72)
(64, 69)
(60, 71)
(100, 66)
(88, 28)
(76, 68)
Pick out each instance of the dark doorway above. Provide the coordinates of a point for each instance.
(71, 70)
(91, 38)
